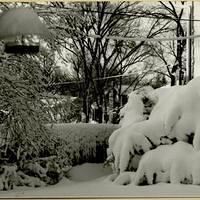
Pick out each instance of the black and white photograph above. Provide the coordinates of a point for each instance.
(99, 99)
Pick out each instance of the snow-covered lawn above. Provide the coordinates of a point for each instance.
(92, 180)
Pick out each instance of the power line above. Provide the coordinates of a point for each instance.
(98, 79)
(141, 15)
(145, 39)
(132, 38)
(113, 37)
(95, 79)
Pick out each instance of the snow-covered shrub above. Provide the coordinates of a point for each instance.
(8, 177)
(175, 116)
(133, 124)
(32, 169)
(82, 142)
(155, 165)
(134, 140)
(150, 97)
(180, 164)
(137, 109)
(133, 111)
(63, 109)
(186, 169)
(22, 89)
(23, 134)
(139, 106)
(182, 119)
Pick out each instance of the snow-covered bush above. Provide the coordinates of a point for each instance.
(63, 109)
(23, 134)
(133, 121)
(180, 164)
(182, 119)
(133, 111)
(139, 106)
(68, 145)
(155, 165)
(81, 142)
(175, 116)
(22, 88)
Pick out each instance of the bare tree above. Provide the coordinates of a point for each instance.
(170, 11)
(94, 58)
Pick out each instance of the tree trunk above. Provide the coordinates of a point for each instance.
(179, 58)
(100, 108)
(173, 80)
(86, 109)
(106, 117)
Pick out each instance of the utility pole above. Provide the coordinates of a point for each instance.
(180, 46)
(190, 43)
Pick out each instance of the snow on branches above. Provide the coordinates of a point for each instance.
(172, 167)
(175, 117)
(179, 165)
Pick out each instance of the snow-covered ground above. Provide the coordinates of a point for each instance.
(176, 114)
(92, 180)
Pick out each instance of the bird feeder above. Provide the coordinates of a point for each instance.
(21, 29)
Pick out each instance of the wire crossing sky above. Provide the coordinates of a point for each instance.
(145, 39)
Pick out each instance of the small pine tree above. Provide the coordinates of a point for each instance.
(21, 98)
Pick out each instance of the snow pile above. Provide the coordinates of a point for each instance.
(175, 116)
